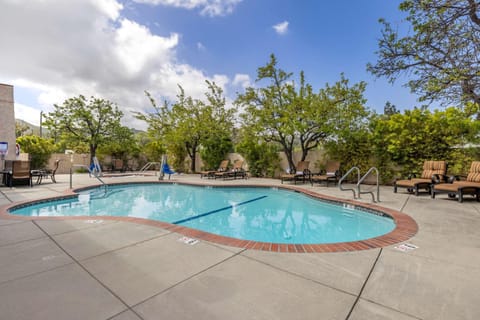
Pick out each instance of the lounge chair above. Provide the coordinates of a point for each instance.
(458, 187)
(20, 172)
(330, 174)
(433, 172)
(302, 173)
(211, 173)
(236, 172)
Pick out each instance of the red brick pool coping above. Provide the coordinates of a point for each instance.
(406, 227)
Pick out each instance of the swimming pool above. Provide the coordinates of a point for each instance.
(257, 214)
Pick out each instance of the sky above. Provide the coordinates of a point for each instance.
(53, 50)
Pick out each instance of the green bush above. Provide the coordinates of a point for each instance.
(262, 157)
(214, 150)
(39, 149)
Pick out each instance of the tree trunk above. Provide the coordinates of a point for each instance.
(192, 159)
(289, 156)
(304, 153)
(93, 152)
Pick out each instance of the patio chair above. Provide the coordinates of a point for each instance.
(236, 172)
(433, 172)
(20, 173)
(118, 165)
(457, 187)
(302, 173)
(211, 173)
(46, 173)
(330, 174)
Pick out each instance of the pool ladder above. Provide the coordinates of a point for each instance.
(357, 190)
(91, 172)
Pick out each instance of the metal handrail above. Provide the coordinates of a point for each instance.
(345, 176)
(365, 192)
(148, 165)
(90, 171)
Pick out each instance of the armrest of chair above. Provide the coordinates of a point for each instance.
(411, 175)
(438, 178)
(451, 179)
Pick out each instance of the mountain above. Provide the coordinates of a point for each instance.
(28, 128)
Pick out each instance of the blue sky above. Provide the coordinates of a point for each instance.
(117, 49)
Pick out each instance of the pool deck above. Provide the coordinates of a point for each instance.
(107, 269)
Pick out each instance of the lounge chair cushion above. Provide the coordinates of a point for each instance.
(455, 186)
(431, 168)
(411, 183)
(474, 173)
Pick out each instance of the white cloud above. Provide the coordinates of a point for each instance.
(110, 7)
(135, 46)
(281, 28)
(31, 115)
(58, 49)
(242, 80)
(201, 47)
(207, 7)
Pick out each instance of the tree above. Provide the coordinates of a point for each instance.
(187, 123)
(151, 147)
(214, 150)
(262, 157)
(281, 114)
(417, 135)
(292, 117)
(442, 54)
(390, 109)
(93, 122)
(21, 129)
(347, 123)
(122, 145)
(39, 149)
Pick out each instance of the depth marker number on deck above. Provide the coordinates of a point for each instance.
(405, 247)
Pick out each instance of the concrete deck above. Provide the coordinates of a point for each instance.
(102, 269)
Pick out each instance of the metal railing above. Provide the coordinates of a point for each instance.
(357, 192)
(92, 173)
(372, 169)
(345, 176)
(148, 165)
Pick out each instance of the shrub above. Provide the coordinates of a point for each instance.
(262, 158)
(39, 149)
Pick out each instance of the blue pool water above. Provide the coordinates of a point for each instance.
(259, 214)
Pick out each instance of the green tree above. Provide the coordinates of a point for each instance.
(262, 157)
(290, 116)
(441, 54)
(39, 149)
(390, 109)
(21, 129)
(348, 124)
(150, 145)
(214, 149)
(187, 123)
(122, 144)
(277, 112)
(78, 121)
(417, 135)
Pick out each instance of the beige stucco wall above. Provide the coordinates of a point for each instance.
(7, 119)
